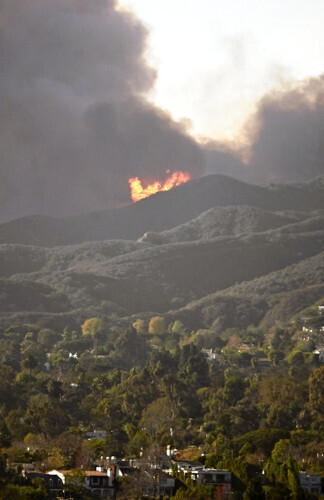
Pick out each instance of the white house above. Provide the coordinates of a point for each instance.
(311, 482)
(99, 482)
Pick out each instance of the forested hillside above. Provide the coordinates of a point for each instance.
(205, 335)
(163, 211)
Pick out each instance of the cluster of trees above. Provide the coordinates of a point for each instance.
(151, 383)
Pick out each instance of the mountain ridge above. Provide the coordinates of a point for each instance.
(162, 211)
(204, 270)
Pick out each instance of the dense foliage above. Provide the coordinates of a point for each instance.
(256, 403)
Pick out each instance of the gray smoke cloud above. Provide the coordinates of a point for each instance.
(74, 121)
(283, 141)
(287, 134)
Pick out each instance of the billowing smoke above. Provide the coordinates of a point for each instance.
(74, 121)
(283, 140)
(287, 134)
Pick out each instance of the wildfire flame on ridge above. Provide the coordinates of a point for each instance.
(138, 192)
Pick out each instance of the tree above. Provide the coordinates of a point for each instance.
(316, 390)
(275, 356)
(139, 326)
(254, 490)
(158, 415)
(5, 437)
(47, 418)
(157, 325)
(47, 337)
(54, 388)
(278, 492)
(178, 328)
(234, 389)
(92, 327)
(293, 479)
(29, 362)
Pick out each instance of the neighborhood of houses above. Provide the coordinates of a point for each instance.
(157, 477)
(154, 477)
(310, 331)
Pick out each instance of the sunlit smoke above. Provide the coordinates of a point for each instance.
(138, 192)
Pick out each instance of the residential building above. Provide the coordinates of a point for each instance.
(311, 482)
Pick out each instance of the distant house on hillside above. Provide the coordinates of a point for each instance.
(98, 481)
(264, 363)
(221, 478)
(311, 482)
(215, 477)
(320, 354)
(96, 434)
(53, 482)
(211, 356)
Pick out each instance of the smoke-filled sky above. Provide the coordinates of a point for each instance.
(215, 58)
(81, 106)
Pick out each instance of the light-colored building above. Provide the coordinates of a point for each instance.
(311, 482)
(99, 482)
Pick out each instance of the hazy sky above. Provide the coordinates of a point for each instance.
(93, 95)
(215, 58)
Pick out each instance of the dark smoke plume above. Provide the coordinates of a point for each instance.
(283, 140)
(74, 123)
(287, 134)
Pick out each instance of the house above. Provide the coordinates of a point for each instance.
(96, 434)
(221, 478)
(311, 482)
(263, 363)
(187, 466)
(53, 482)
(320, 354)
(211, 356)
(100, 482)
(214, 477)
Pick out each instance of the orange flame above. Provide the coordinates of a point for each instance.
(138, 192)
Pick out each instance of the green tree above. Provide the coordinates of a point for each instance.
(178, 328)
(29, 362)
(316, 390)
(293, 479)
(158, 415)
(46, 417)
(234, 389)
(254, 490)
(275, 356)
(139, 326)
(5, 437)
(279, 491)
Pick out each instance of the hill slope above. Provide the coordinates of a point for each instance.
(229, 264)
(221, 221)
(87, 279)
(162, 211)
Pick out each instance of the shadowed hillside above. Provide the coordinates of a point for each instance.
(221, 221)
(216, 267)
(162, 211)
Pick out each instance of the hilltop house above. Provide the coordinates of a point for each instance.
(100, 481)
(211, 356)
(221, 478)
(311, 482)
